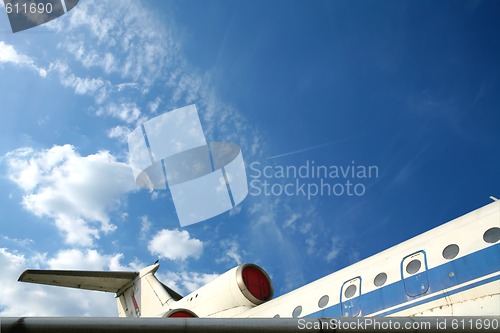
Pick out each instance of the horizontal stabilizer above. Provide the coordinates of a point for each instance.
(90, 280)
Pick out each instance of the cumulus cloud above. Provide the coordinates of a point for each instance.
(88, 259)
(8, 54)
(122, 42)
(77, 192)
(175, 245)
(40, 300)
(120, 133)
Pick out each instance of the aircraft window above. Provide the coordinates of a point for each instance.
(297, 311)
(492, 235)
(380, 279)
(450, 251)
(350, 291)
(323, 301)
(413, 266)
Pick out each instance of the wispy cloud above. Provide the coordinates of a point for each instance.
(18, 242)
(186, 282)
(146, 225)
(153, 105)
(145, 53)
(230, 252)
(9, 55)
(124, 56)
(336, 247)
(127, 112)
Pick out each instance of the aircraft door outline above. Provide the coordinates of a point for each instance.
(414, 274)
(350, 295)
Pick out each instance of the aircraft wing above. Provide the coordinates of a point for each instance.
(90, 280)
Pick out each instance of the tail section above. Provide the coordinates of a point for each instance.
(139, 294)
(145, 296)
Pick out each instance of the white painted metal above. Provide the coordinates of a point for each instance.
(466, 231)
(224, 297)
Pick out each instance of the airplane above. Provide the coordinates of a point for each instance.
(451, 270)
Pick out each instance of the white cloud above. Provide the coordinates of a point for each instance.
(158, 194)
(77, 192)
(193, 281)
(83, 86)
(289, 222)
(122, 28)
(90, 57)
(96, 87)
(127, 112)
(124, 39)
(153, 105)
(175, 245)
(186, 282)
(88, 259)
(127, 85)
(19, 242)
(120, 133)
(144, 49)
(8, 54)
(231, 253)
(26, 299)
(145, 226)
(235, 211)
(335, 249)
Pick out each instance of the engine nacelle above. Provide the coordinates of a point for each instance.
(233, 292)
(180, 313)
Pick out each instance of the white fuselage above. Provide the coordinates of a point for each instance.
(419, 280)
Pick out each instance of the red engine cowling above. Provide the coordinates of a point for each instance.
(254, 283)
(180, 313)
(233, 292)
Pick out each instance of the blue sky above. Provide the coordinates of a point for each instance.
(410, 87)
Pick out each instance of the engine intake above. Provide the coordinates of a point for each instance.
(180, 313)
(254, 283)
(233, 292)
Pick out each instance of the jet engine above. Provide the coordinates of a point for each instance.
(235, 291)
